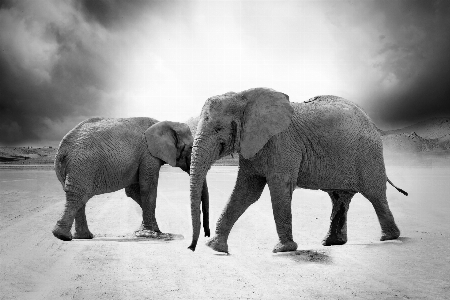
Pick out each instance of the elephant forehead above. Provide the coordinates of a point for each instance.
(220, 101)
(216, 117)
(213, 104)
(221, 106)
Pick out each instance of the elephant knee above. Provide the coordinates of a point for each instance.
(74, 201)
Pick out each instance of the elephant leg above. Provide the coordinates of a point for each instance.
(148, 211)
(134, 192)
(281, 187)
(74, 201)
(247, 191)
(148, 183)
(81, 226)
(337, 234)
(389, 230)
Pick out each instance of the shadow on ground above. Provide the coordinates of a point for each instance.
(398, 242)
(156, 238)
(312, 256)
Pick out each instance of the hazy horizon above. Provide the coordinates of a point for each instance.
(64, 61)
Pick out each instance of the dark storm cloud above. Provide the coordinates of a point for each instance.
(48, 72)
(113, 13)
(62, 61)
(419, 56)
(56, 66)
(407, 46)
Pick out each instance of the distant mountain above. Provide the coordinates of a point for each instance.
(429, 129)
(426, 136)
(27, 155)
(411, 143)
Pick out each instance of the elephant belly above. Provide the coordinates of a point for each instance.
(108, 180)
(338, 174)
(308, 182)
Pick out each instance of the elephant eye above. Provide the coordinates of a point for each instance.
(217, 129)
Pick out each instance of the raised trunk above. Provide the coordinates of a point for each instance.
(201, 161)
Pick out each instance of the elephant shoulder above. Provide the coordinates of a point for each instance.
(74, 133)
(114, 127)
(91, 124)
(95, 132)
(139, 123)
(85, 123)
(90, 133)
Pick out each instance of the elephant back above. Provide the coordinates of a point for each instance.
(329, 115)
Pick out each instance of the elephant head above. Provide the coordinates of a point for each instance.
(172, 143)
(234, 122)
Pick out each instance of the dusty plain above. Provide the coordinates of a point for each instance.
(116, 265)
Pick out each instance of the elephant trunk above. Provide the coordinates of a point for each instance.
(201, 161)
(204, 198)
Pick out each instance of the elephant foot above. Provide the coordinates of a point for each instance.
(152, 227)
(285, 247)
(330, 240)
(158, 235)
(218, 244)
(391, 234)
(146, 233)
(61, 233)
(86, 235)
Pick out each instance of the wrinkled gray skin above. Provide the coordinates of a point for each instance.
(326, 143)
(105, 155)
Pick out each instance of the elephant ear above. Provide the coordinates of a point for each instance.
(266, 114)
(166, 140)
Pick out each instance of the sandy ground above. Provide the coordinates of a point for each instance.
(115, 265)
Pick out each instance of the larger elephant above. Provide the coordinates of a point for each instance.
(102, 155)
(326, 143)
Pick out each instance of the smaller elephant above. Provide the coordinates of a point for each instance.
(102, 155)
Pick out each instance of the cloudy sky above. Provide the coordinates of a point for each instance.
(64, 61)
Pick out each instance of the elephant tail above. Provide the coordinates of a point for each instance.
(398, 189)
(60, 165)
